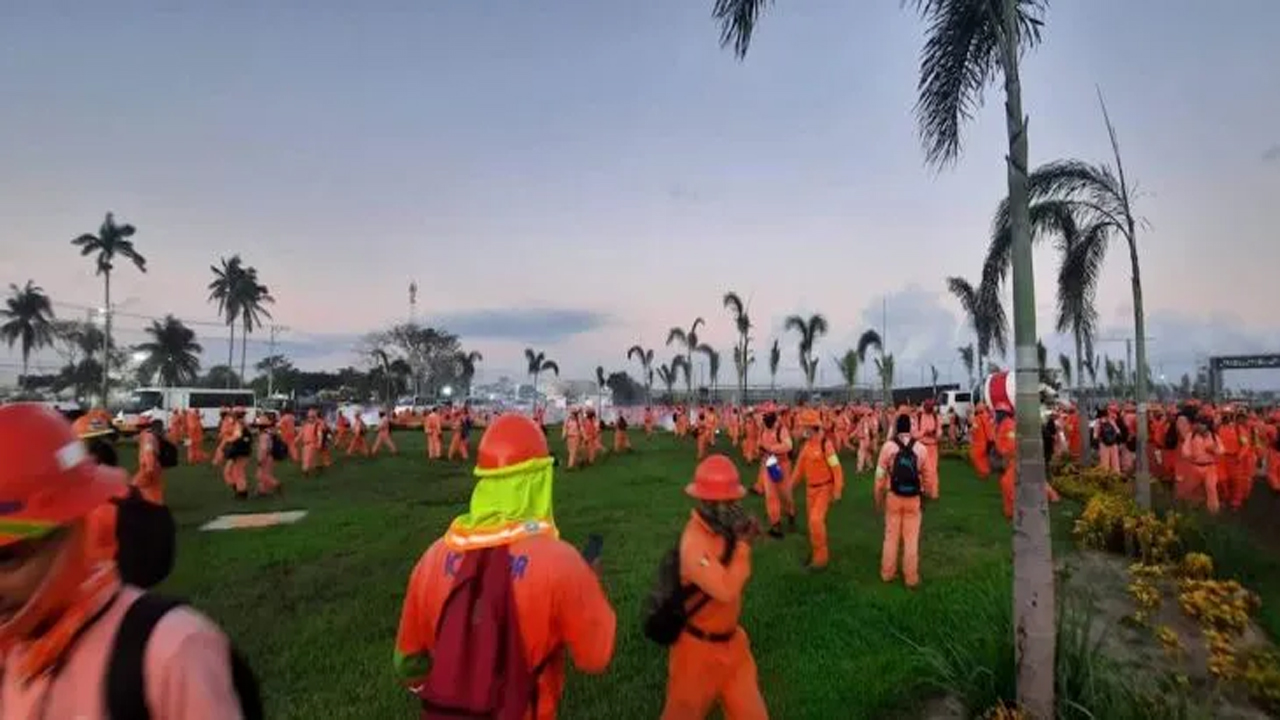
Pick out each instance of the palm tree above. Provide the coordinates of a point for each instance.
(223, 290)
(810, 330)
(467, 362)
(1064, 367)
(985, 312)
(252, 297)
(741, 365)
(599, 387)
(667, 374)
(968, 43)
(689, 340)
(933, 373)
(173, 355)
(645, 357)
(742, 350)
(1103, 195)
(680, 365)
(775, 358)
(966, 359)
(28, 319)
(884, 368)
(713, 367)
(869, 339)
(848, 366)
(111, 240)
(1080, 267)
(538, 364)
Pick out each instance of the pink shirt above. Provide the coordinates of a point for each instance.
(187, 669)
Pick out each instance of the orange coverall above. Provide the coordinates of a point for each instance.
(702, 673)
(431, 426)
(902, 515)
(148, 480)
(819, 466)
(384, 437)
(778, 496)
(981, 435)
(1007, 445)
(928, 430)
(558, 599)
(1200, 479)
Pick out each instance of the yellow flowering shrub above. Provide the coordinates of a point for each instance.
(1261, 674)
(1153, 539)
(1196, 566)
(1169, 640)
(1101, 524)
(1221, 605)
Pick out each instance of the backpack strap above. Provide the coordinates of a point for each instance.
(703, 599)
(126, 686)
(125, 681)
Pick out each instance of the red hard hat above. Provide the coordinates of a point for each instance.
(47, 477)
(716, 479)
(510, 440)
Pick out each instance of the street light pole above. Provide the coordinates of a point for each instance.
(271, 353)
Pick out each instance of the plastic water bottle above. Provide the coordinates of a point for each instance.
(773, 468)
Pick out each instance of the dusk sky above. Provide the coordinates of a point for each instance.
(580, 176)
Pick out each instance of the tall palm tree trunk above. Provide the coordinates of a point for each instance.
(244, 346)
(106, 349)
(1033, 591)
(231, 349)
(1142, 489)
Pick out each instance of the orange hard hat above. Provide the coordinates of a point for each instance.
(47, 477)
(716, 479)
(510, 440)
(91, 426)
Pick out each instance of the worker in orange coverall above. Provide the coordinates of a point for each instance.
(981, 435)
(819, 466)
(1199, 482)
(779, 496)
(558, 598)
(1007, 445)
(928, 431)
(902, 510)
(711, 661)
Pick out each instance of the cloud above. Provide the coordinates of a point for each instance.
(1272, 154)
(535, 325)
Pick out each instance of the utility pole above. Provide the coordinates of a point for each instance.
(271, 353)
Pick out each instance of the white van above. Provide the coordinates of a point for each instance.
(958, 401)
(159, 403)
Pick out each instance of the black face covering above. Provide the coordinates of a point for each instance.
(770, 420)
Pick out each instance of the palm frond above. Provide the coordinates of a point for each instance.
(961, 56)
(869, 339)
(552, 366)
(738, 20)
(676, 335)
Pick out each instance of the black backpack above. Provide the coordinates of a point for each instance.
(1171, 437)
(279, 450)
(167, 453)
(1109, 434)
(904, 476)
(146, 540)
(125, 685)
(666, 611)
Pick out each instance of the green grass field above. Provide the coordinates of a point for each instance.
(315, 605)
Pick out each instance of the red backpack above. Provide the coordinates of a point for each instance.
(478, 667)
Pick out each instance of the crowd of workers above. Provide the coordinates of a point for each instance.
(72, 600)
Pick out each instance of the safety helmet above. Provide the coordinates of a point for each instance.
(90, 426)
(47, 477)
(716, 479)
(510, 440)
